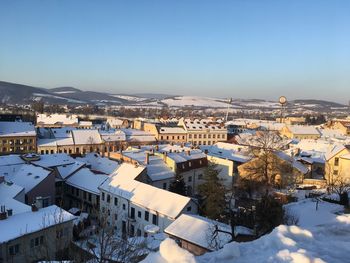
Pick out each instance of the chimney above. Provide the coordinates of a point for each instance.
(206, 151)
(34, 208)
(165, 154)
(3, 214)
(157, 147)
(147, 158)
(188, 152)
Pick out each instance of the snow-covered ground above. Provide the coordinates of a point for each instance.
(322, 236)
(183, 101)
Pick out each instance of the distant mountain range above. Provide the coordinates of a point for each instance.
(13, 93)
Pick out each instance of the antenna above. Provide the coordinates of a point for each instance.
(228, 107)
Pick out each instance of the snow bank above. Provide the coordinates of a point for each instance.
(170, 252)
(317, 244)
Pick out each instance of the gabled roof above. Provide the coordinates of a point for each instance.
(86, 137)
(86, 180)
(164, 202)
(99, 163)
(199, 230)
(26, 175)
(20, 224)
(53, 160)
(16, 129)
(303, 129)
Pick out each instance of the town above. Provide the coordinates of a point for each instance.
(118, 189)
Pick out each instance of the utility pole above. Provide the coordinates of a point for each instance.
(228, 107)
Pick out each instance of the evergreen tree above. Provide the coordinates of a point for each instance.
(178, 186)
(212, 192)
(269, 214)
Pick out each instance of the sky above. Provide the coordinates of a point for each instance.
(236, 48)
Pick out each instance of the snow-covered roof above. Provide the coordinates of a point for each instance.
(171, 130)
(297, 165)
(26, 175)
(156, 167)
(20, 224)
(9, 190)
(99, 163)
(199, 230)
(180, 157)
(233, 152)
(303, 129)
(16, 129)
(64, 132)
(68, 169)
(46, 143)
(112, 135)
(65, 141)
(86, 137)
(11, 160)
(53, 160)
(150, 197)
(56, 119)
(86, 180)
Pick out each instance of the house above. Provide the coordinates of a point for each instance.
(166, 134)
(37, 182)
(87, 141)
(132, 206)
(117, 123)
(227, 158)
(300, 132)
(17, 137)
(283, 169)
(56, 120)
(198, 234)
(163, 162)
(338, 163)
(343, 125)
(35, 234)
(81, 190)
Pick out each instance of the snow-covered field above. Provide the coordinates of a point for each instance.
(183, 101)
(129, 98)
(322, 236)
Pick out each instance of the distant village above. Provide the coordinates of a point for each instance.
(113, 190)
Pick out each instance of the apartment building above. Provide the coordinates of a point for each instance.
(132, 207)
(17, 137)
(204, 131)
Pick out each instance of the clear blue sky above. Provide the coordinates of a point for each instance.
(236, 48)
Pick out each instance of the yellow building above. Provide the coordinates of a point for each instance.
(204, 131)
(338, 164)
(17, 137)
(300, 132)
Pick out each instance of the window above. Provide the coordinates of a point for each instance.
(190, 178)
(115, 217)
(138, 232)
(108, 198)
(38, 241)
(189, 209)
(76, 191)
(154, 219)
(200, 176)
(189, 164)
(13, 250)
(335, 172)
(146, 215)
(132, 213)
(124, 207)
(115, 201)
(84, 194)
(103, 196)
(139, 214)
(336, 161)
(164, 186)
(189, 136)
(90, 197)
(59, 233)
